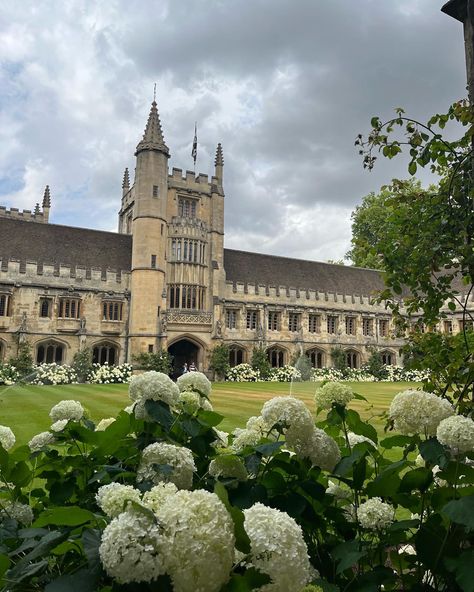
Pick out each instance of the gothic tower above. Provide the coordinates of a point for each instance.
(149, 230)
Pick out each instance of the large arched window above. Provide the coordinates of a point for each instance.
(50, 352)
(276, 357)
(2, 351)
(388, 358)
(236, 355)
(317, 358)
(352, 358)
(105, 353)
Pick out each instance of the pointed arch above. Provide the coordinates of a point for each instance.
(3, 350)
(237, 354)
(105, 351)
(49, 351)
(353, 358)
(277, 355)
(317, 357)
(389, 357)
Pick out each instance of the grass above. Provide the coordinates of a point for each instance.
(25, 408)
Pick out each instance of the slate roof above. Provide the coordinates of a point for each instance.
(66, 245)
(255, 268)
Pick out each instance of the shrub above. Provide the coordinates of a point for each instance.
(23, 361)
(338, 358)
(161, 361)
(219, 362)
(243, 373)
(110, 374)
(82, 363)
(8, 374)
(260, 362)
(284, 374)
(53, 374)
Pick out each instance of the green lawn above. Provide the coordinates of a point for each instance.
(25, 408)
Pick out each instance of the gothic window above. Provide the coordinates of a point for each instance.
(105, 353)
(352, 359)
(448, 326)
(49, 353)
(153, 262)
(231, 319)
(350, 326)
(293, 322)
(128, 229)
(69, 308)
(45, 308)
(155, 191)
(317, 358)
(387, 358)
(186, 296)
(367, 326)
(314, 323)
(2, 351)
(236, 356)
(4, 305)
(112, 310)
(468, 325)
(383, 327)
(332, 324)
(276, 357)
(273, 321)
(186, 208)
(252, 319)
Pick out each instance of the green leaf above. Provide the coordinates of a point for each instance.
(461, 511)
(4, 565)
(269, 449)
(433, 452)
(346, 463)
(91, 542)
(64, 516)
(326, 586)
(347, 555)
(160, 412)
(61, 492)
(451, 305)
(20, 474)
(360, 427)
(420, 479)
(242, 541)
(209, 418)
(81, 581)
(250, 580)
(462, 568)
(412, 167)
(387, 482)
(396, 441)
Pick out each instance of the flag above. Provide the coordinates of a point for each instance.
(195, 145)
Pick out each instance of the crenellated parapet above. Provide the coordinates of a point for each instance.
(190, 182)
(27, 215)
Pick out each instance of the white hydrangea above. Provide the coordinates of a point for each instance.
(195, 381)
(40, 441)
(129, 408)
(358, 439)
(244, 438)
(67, 410)
(199, 541)
(104, 424)
(374, 514)
(277, 548)
(228, 466)
(288, 411)
(333, 392)
(58, 426)
(457, 432)
(156, 386)
(113, 498)
(22, 513)
(179, 459)
(206, 404)
(154, 498)
(222, 440)
(257, 424)
(337, 491)
(320, 449)
(190, 401)
(130, 549)
(7, 437)
(417, 412)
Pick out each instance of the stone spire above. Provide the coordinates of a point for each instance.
(37, 210)
(153, 136)
(126, 180)
(219, 161)
(47, 197)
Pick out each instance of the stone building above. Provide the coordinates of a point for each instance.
(166, 281)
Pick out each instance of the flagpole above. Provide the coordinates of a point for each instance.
(194, 150)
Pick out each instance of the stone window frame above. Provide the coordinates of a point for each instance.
(251, 319)
(332, 322)
(69, 307)
(383, 327)
(3, 350)
(351, 325)
(155, 191)
(236, 355)
(316, 357)
(294, 321)
(447, 326)
(352, 358)
(5, 304)
(387, 357)
(105, 352)
(187, 250)
(276, 356)
(314, 323)
(186, 296)
(50, 351)
(469, 325)
(367, 326)
(45, 307)
(231, 316)
(112, 310)
(187, 207)
(274, 320)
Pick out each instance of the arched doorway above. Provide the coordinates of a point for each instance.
(184, 352)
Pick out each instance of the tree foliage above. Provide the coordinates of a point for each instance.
(260, 361)
(161, 361)
(426, 244)
(219, 362)
(23, 362)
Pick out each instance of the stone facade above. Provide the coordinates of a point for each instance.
(166, 281)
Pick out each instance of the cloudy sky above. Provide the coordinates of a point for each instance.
(285, 85)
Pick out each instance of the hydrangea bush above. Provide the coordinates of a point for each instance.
(299, 500)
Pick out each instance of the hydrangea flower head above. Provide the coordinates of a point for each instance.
(113, 498)
(40, 441)
(417, 412)
(333, 393)
(199, 541)
(358, 439)
(178, 459)
(67, 409)
(319, 448)
(130, 549)
(22, 513)
(7, 437)
(457, 432)
(155, 498)
(195, 381)
(288, 411)
(374, 514)
(277, 548)
(155, 386)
